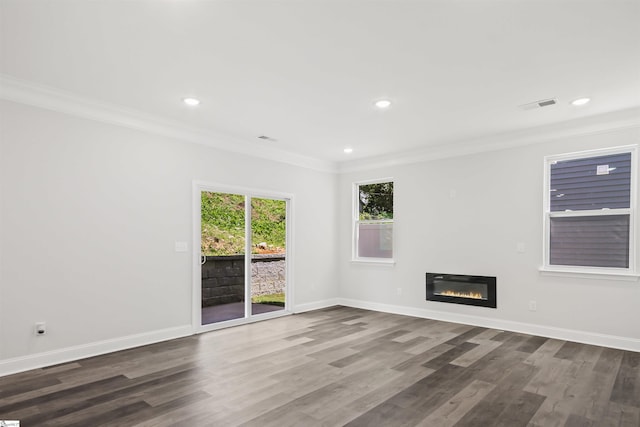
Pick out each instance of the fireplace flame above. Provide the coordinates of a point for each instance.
(469, 294)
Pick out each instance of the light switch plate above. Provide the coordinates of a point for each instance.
(181, 247)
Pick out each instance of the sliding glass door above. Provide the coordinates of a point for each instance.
(222, 256)
(269, 255)
(242, 270)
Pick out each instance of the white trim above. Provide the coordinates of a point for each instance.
(316, 305)
(248, 242)
(597, 152)
(253, 192)
(546, 182)
(196, 245)
(198, 186)
(355, 221)
(243, 321)
(633, 220)
(593, 125)
(594, 273)
(68, 354)
(375, 181)
(41, 96)
(47, 97)
(599, 212)
(547, 214)
(290, 250)
(612, 341)
(386, 262)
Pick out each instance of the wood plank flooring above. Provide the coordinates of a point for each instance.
(334, 367)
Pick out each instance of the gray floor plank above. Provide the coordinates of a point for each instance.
(333, 367)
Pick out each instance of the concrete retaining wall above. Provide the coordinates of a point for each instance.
(223, 277)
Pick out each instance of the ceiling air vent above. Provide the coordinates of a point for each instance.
(539, 104)
(267, 138)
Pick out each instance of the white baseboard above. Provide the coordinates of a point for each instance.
(54, 357)
(316, 305)
(39, 360)
(622, 343)
(49, 358)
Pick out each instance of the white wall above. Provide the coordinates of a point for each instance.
(498, 203)
(89, 216)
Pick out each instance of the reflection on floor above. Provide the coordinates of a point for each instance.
(235, 310)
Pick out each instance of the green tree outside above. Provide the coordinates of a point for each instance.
(223, 224)
(376, 201)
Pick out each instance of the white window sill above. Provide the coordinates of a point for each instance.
(374, 261)
(590, 274)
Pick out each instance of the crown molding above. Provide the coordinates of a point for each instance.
(29, 93)
(602, 123)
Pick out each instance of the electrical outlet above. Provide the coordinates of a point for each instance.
(399, 291)
(533, 306)
(41, 328)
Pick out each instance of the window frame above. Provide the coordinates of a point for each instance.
(355, 199)
(586, 271)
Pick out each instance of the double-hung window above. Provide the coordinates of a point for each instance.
(590, 210)
(373, 221)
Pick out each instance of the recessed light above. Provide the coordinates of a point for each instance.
(192, 102)
(348, 150)
(383, 103)
(580, 101)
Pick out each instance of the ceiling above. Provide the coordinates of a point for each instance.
(307, 72)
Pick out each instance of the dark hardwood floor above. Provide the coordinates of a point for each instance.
(333, 367)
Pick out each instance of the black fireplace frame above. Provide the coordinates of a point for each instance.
(489, 281)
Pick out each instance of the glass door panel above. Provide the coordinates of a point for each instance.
(223, 243)
(268, 257)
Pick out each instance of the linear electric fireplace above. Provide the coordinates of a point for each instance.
(462, 289)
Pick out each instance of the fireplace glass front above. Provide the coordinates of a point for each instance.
(462, 289)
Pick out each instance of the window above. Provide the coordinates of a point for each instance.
(373, 221)
(590, 211)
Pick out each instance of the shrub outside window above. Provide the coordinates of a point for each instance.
(373, 221)
(590, 210)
